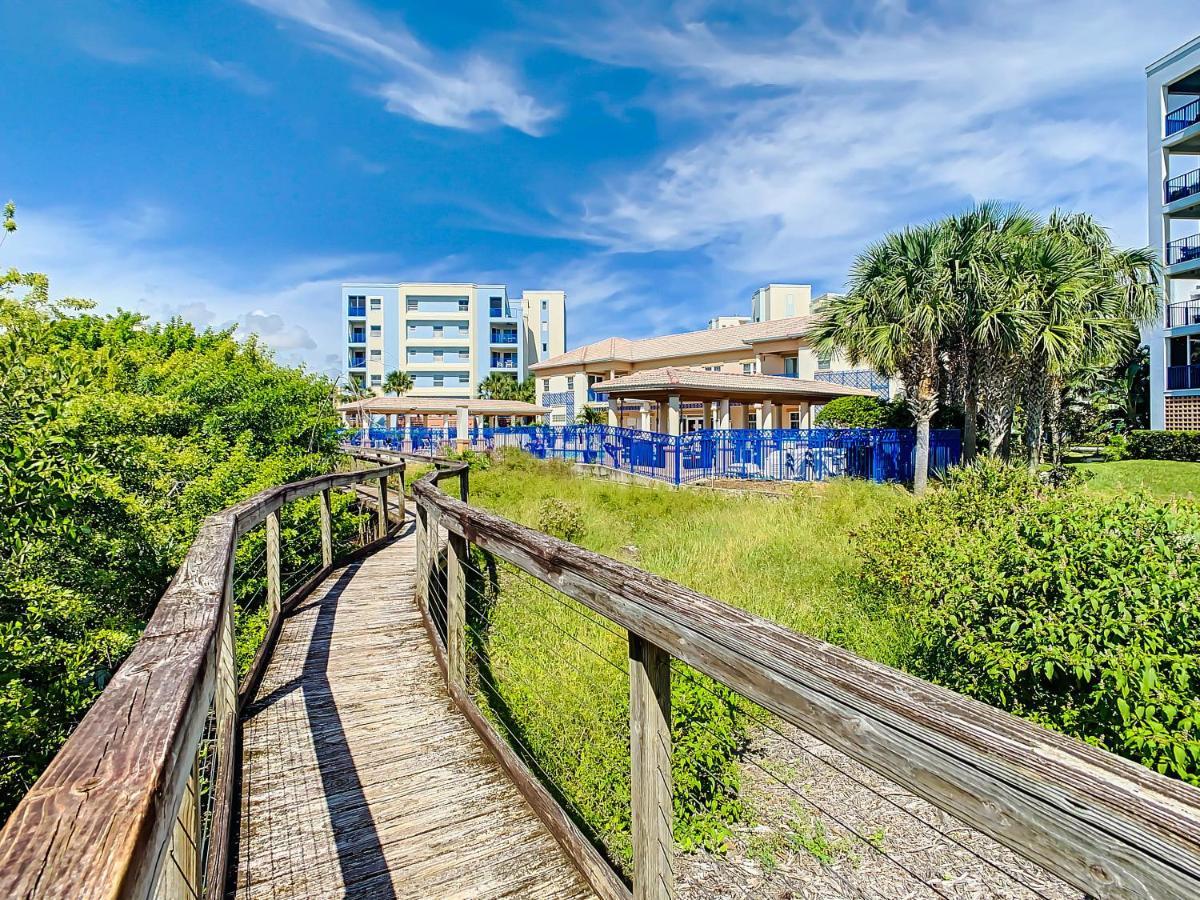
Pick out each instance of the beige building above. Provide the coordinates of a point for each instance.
(772, 343)
(447, 336)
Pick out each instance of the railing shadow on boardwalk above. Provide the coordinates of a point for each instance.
(353, 827)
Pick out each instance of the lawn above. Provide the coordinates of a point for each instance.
(1163, 479)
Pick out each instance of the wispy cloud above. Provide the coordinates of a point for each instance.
(238, 75)
(412, 80)
(348, 156)
(815, 138)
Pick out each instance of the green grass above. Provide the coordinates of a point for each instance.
(551, 675)
(1162, 479)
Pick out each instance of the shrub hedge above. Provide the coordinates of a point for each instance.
(1178, 445)
(1075, 610)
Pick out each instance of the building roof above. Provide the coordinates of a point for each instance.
(448, 405)
(668, 346)
(695, 382)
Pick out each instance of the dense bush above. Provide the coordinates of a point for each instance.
(1179, 445)
(561, 518)
(856, 412)
(117, 437)
(1079, 611)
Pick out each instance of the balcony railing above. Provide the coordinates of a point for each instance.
(358, 310)
(1183, 378)
(1181, 186)
(504, 337)
(1185, 312)
(1183, 250)
(358, 362)
(1184, 117)
(358, 337)
(504, 363)
(859, 378)
(595, 396)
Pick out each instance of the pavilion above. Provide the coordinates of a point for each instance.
(406, 412)
(663, 398)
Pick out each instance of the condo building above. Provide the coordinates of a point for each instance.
(771, 341)
(1173, 128)
(448, 337)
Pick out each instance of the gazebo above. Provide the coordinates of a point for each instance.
(726, 399)
(402, 411)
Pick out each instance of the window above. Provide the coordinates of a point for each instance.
(497, 306)
(545, 384)
(411, 304)
(438, 331)
(570, 382)
(376, 354)
(463, 304)
(824, 360)
(376, 380)
(437, 355)
(790, 364)
(376, 303)
(752, 421)
(376, 330)
(439, 380)
(794, 419)
(545, 347)
(545, 305)
(748, 368)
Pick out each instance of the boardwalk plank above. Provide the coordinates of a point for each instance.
(361, 778)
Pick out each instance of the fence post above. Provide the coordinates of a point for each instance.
(456, 609)
(400, 498)
(326, 529)
(273, 594)
(464, 491)
(650, 754)
(424, 561)
(382, 497)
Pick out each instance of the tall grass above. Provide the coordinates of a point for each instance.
(552, 675)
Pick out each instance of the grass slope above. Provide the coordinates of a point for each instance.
(1163, 479)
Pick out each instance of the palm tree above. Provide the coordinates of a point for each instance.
(897, 315)
(592, 415)
(398, 383)
(497, 386)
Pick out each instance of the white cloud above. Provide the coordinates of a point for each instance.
(238, 75)
(293, 305)
(814, 139)
(452, 93)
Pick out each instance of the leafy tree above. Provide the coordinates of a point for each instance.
(855, 412)
(499, 386)
(398, 383)
(117, 437)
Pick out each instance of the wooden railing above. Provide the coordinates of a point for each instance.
(1105, 825)
(139, 800)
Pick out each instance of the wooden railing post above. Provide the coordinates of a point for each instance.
(326, 530)
(650, 783)
(383, 510)
(464, 491)
(400, 498)
(273, 586)
(456, 609)
(424, 559)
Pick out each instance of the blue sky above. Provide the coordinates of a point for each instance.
(235, 160)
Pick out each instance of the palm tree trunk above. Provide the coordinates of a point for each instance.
(1035, 413)
(923, 406)
(970, 435)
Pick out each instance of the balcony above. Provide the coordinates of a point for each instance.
(358, 361)
(1184, 117)
(1184, 312)
(1179, 189)
(859, 378)
(357, 311)
(357, 337)
(1183, 254)
(1183, 378)
(504, 337)
(595, 396)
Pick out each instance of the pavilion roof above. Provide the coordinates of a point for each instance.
(689, 381)
(448, 405)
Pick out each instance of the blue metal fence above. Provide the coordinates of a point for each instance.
(783, 454)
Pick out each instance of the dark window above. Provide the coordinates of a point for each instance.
(411, 304)
(376, 303)
(464, 305)
(497, 306)
(1178, 351)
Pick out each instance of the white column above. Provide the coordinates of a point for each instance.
(614, 411)
(464, 427)
(723, 417)
(806, 415)
(768, 415)
(708, 414)
(673, 414)
(644, 417)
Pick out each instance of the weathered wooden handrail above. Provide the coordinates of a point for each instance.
(116, 813)
(1102, 823)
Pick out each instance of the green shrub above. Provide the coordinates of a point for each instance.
(855, 412)
(1115, 448)
(561, 518)
(1075, 610)
(1179, 445)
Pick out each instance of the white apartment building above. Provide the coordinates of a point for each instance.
(448, 337)
(771, 341)
(1173, 130)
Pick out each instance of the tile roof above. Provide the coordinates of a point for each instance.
(701, 379)
(690, 343)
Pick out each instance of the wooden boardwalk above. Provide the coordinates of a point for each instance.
(361, 778)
